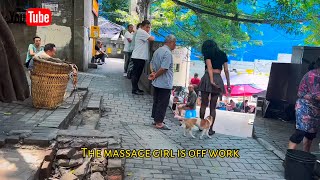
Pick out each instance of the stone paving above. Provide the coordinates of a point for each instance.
(277, 133)
(20, 120)
(20, 162)
(129, 115)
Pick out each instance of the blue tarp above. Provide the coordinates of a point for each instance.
(109, 29)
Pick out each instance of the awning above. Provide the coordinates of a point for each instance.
(243, 90)
(109, 29)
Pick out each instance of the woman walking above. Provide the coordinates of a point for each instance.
(307, 109)
(211, 82)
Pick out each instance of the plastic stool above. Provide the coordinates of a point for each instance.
(190, 114)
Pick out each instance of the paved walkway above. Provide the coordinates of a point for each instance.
(20, 120)
(129, 115)
(277, 133)
(20, 162)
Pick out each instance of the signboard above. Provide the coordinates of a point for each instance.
(95, 7)
(38, 17)
(54, 8)
(15, 17)
(95, 32)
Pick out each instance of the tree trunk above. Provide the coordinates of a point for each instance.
(13, 80)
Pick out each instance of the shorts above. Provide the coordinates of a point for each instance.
(298, 136)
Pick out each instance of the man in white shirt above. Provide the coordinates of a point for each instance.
(127, 41)
(131, 48)
(140, 54)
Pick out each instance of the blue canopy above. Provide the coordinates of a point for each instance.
(109, 29)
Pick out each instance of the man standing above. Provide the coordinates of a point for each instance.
(131, 48)
(191, 102)
(162, 80)
(127, 42)
(33, 49)
(140, 54)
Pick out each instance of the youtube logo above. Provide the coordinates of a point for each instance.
(38, 17)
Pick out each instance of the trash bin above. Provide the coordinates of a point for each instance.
(299, 165)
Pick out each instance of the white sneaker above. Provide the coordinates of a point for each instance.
(124, 74)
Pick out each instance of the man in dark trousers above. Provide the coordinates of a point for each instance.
(140, 54)
(162, 80)
(191, 102)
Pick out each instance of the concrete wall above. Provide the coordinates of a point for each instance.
(181, 60)
(116, 47)
(69, 30)
(59, 33)
(181, 56)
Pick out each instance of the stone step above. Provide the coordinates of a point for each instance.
(95, 103)
(93, 66)
(38, 136)
(62, 116)
(46, 130)
(86, 133)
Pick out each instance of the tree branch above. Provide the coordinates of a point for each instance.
(196, 9)
(235, 18)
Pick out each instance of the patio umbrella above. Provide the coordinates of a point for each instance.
(243, 90)
(259, 80)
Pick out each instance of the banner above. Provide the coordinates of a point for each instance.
(95, 7)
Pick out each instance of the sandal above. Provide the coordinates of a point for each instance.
(155, 123)
(164, 127)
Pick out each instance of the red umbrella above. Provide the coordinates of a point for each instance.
(243, 90)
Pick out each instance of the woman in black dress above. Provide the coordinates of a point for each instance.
(211, 82)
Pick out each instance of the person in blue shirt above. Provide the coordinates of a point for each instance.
(33, 49)
(162, 80)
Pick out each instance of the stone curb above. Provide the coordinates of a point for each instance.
(35, 139)
(271, 148)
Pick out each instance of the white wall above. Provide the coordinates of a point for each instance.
(88, 22)
(181, 56)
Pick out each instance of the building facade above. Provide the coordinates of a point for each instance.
(181, 67)
(69, 30)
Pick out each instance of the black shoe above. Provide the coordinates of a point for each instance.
(137, 93)
(139, 90)
(211, 132)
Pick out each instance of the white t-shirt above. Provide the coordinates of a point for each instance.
(127, 36)
(131, 47)
(141, 46)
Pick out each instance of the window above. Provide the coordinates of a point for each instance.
(176, 67)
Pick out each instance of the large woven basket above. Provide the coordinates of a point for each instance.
(49, 81)
(49, 67)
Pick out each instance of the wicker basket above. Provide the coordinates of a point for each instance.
(47, 67)
(49, 83)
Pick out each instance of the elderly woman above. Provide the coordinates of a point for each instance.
(307, 109)
(211, 83)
